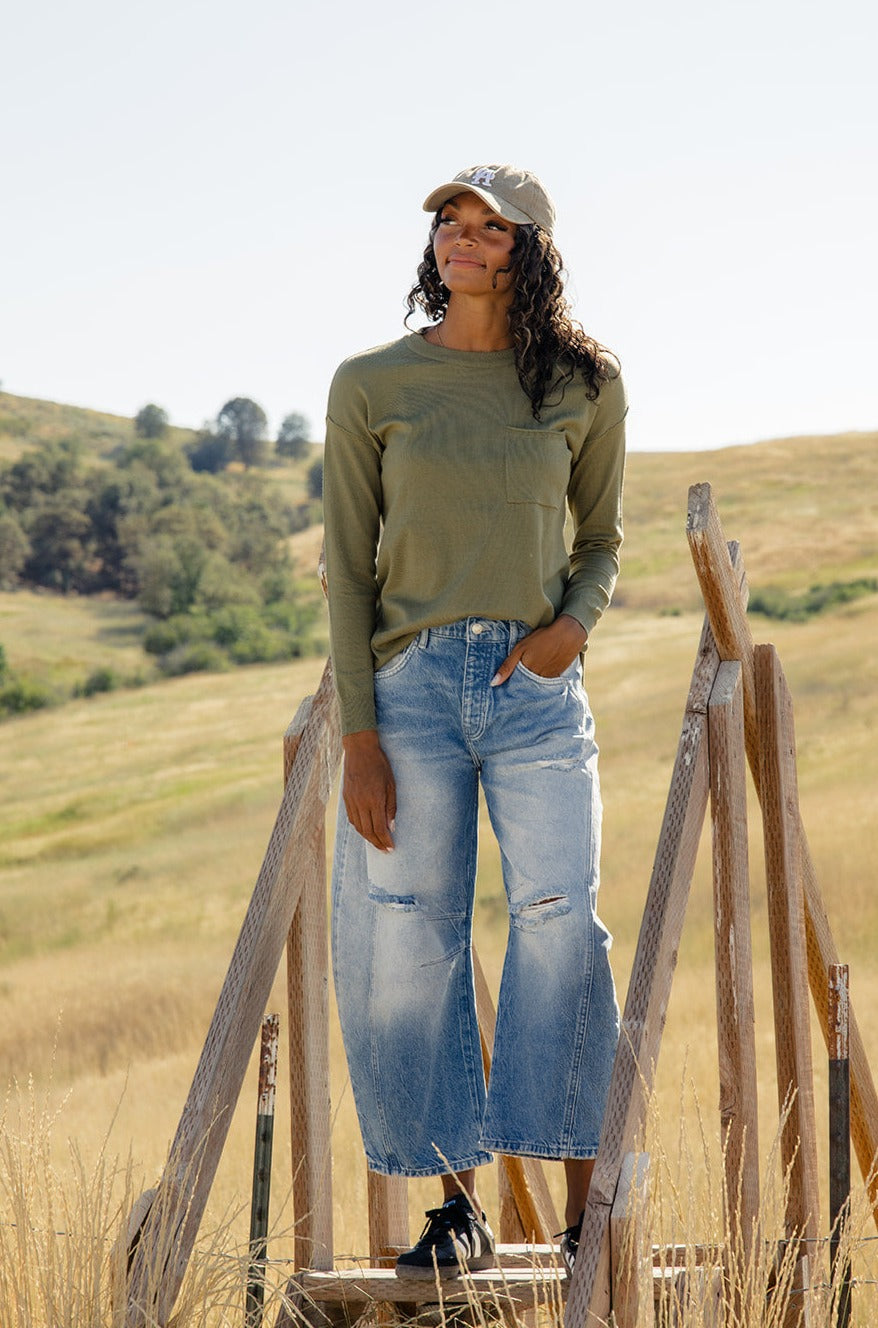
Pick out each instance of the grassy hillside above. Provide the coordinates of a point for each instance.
(804, 509)
(133, 824)
(61, 639)
(196, 565)
(27, 421)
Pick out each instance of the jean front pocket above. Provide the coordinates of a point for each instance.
(570, 674)
(398, 662)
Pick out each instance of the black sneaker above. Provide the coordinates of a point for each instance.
(454, 1241)
(570, 1244)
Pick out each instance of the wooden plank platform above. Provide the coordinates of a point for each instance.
(526, 1275)
(516, 1286)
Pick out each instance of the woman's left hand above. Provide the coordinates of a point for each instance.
(547, 651)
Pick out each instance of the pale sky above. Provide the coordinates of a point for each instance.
(203, 199)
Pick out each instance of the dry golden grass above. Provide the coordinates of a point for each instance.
(804, 509)
(61, 639)
(134, 824)
(63, 1237)
(64, 1231)
(138, 822)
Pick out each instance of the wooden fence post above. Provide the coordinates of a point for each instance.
(710, 555)
(387, 1200)
(308, 1033)
(162, 1244)
(786, 925)
(649, 987)
(736, 1041)
(630, 1246)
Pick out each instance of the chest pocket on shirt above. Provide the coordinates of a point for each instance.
(537, 467)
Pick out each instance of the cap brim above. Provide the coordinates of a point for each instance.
(433, 202)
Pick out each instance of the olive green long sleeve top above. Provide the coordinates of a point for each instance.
(444, 498)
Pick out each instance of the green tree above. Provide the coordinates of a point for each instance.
(168, 573)
(155, 570)
(242, 423)
(48, 470)
(166, 463)
(120, 506)
(61, 546)
(258, 525)
(209, 454)
(315, 480)
(292, 438)
(151, 421)
(223, 583)
(14, 550)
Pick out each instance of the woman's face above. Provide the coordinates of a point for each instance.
(472, 247)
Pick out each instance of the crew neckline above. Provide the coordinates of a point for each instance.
(446, 354)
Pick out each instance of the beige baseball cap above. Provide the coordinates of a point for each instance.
(514, 194)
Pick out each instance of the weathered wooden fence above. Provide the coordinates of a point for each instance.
(738, 712)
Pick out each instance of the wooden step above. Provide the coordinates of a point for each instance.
(525, 1275)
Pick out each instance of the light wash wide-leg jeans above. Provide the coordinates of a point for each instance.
(402, 921)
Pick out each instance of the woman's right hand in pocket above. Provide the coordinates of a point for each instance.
(369, 789)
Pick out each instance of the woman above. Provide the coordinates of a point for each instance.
(458, 619)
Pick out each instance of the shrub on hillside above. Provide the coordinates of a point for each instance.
(180, 629)
(19, 695)
(103, 679)
(234, 633)
(15, 550)
(278, 586)
(223, 583)
(248, 638)
(193, 657)
(162, 580)
(291, 615)
(778, 604)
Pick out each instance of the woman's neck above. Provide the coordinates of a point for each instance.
(475, 325)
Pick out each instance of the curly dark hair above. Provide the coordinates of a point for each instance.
(549, 346)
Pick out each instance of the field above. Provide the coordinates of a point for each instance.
(134, 824)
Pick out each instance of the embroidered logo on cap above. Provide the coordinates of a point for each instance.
(483, 176)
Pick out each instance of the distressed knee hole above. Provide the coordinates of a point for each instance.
(396, 903)
(538, 911)
(559, 763)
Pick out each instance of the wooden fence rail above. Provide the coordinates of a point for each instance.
(738, 711)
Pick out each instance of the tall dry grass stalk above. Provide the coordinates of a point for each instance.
(64, 1237)
(705, 1280)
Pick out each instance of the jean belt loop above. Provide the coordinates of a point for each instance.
(423, 638)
